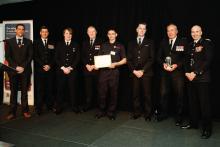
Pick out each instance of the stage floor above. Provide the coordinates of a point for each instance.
(79, 130)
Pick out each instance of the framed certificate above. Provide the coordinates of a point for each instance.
(102, 61)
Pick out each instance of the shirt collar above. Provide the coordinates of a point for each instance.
(142, 38)
(17, 37)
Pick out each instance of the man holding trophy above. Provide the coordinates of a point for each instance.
(112, 55)
(171, 58)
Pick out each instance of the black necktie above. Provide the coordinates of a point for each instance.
(45, 43)
(139, 41)
(170, 45)
(194, 44)
(19, 41)
(67, 43)
(91, 43)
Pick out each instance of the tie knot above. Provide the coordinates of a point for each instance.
(67, 43)
(171, 41)
(45, 42)
(19, 41)
(139, 41)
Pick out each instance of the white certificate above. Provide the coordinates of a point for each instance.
(102, 61)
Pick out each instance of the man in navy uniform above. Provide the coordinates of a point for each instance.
(90, 48)
(67, 58)
(44, 63)
(171, 57)
(140, 62)
(109, 77)
(198, 61)
(19, 54)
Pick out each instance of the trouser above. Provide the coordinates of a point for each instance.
(199, 103)
(108, 82)
(143, 85)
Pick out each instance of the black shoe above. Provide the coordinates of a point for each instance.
(57, 111)
(147, 118)
(135, 116)
(189, 126)
(86, 108)
(49, 109)
(99, 115)
(38, 112)
(205, 134)
(178, 123)
(112, 117)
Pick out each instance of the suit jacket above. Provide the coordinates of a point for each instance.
(177, 54)
(88, 52)
(141, 57)
(43, 55)
(19, 56)
(67, 55)
(198, 59)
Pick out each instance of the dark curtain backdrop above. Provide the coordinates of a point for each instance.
(124, 16)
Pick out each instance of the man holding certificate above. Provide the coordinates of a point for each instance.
(109, 74)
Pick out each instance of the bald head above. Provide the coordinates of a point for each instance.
(196, 32)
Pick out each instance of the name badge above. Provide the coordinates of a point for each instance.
(112, 53)
(50, 46)
(179, 48)
(97, 47)
(199, 48)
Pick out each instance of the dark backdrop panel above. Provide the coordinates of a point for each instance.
(124, 16)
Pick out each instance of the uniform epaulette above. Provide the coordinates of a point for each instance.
(208, 39)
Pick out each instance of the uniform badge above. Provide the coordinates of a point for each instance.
(199, 48)
(97, 47)
(50, 46)
(112, 53)
(179, 48)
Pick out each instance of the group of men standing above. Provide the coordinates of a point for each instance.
(181, 64)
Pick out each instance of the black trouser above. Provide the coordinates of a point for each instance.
(172, 86)
(199, 103)
(15, 80)
(108, 82)
(44, 83)
(143, 85)
(66, 83)
(90, 88)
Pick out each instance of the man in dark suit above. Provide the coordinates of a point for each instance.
(140, 62)
(90, 48)
(198, 61)
(19, 54)
(109, 77)
(171, 59)
(44, 63)
(67, 58)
